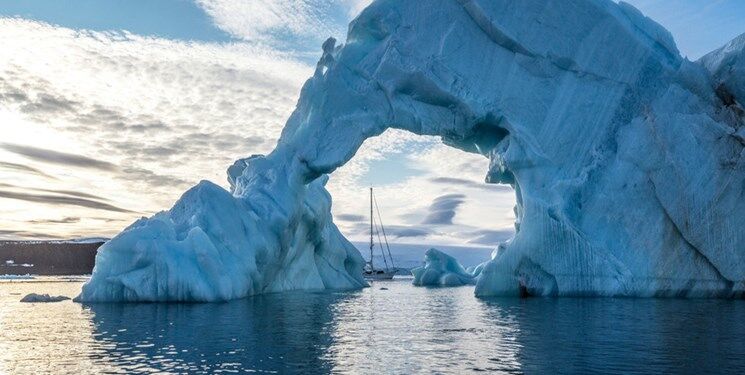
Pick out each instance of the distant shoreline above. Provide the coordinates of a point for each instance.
(48, 258)
(77, 257)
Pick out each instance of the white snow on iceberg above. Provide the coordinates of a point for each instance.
(627, 160)
(441, 269)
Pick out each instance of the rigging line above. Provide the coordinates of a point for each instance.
(380, 219)
(381, 247)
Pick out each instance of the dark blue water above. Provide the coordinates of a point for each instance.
(399, 330)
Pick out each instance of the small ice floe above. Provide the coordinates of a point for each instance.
(33, 297)
(16, 277)
(12, 263)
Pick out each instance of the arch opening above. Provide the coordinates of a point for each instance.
(431, 195)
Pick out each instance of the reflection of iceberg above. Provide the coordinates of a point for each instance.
(426, 331)
(627, 159)
(441, 269)
(278, 333)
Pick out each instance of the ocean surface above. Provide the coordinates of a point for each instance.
(391, 327)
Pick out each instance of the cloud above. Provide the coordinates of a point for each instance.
(149, 178)
(362, 231)
(442, 209)
(290, 23)
(55, 191)
(400, 231)
(64, 220)
(470, 183)
(489, 236)
(16, 234)
(157, 115)
(56, 157)
(61, 200)
(46, 104)
(350, 217)
(23, 168)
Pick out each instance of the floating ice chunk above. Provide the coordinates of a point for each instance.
(17, 277)
(441, 269)
(33, 297)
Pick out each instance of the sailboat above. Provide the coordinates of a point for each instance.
(376, 228)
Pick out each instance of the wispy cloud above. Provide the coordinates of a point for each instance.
(73, 193)
(20, 234)
(64, 220)
(23, 168)
(61, 200)
(350, 217)
(489, 236)
(290, 23)
(56, 157)
(402, 231)
(470, 183)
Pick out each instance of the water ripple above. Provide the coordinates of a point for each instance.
(399, 330)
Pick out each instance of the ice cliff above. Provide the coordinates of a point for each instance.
(441, 269)
(626, 158)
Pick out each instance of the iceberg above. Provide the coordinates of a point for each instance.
(216, 246)
(627, 160)
(441, 269)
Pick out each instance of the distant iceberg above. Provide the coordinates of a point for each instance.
(627, 160)
(34, 298)
(441, 269)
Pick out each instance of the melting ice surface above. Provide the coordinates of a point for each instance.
(627, 159)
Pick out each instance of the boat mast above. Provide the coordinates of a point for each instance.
(371, 230)
(382, 228)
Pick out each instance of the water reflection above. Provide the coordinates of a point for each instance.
(391, 327)
(568, 336)
(272, 333)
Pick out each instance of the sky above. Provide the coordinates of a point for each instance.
(111, 109)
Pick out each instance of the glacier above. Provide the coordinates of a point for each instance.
(441, 269)
(626, 158)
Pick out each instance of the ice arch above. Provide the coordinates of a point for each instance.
(627, 164)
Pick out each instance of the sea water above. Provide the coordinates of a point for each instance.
(391, 327)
